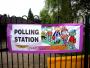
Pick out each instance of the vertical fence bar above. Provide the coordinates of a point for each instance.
(28, 53)
(28, 61)
(1, 57)
(39, 60)
(22, 53)
(44, 61)
(60, 60)
(11, 53)
(22, 60)
(65, 60)
(55, 61)
(17, 53)
(1, 44)
(81, 60)
(50, 60)
(6, 43)
(87, 40)
(76, 61)
(71, 61)
(18, 60)
(7, 55)
(12, 59)
(89, 61)
(33, 61)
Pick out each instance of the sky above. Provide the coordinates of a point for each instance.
(21, 7)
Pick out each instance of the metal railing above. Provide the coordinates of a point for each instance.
(18, 60)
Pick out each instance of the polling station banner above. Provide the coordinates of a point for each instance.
(45, 38)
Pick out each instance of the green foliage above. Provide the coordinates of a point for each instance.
(45, 18)
(82, 5)
(30, 15)
(59, 11)
(52, 5)
(65, 10)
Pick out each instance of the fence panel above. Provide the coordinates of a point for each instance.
(18, 60)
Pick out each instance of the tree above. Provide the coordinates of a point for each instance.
(81, 5)
(53, 5)
(45, 18)
(66, 12)
(60, 10)
(30, 15)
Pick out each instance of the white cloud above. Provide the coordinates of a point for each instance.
(20, 7)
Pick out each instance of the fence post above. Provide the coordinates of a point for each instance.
(87, 40)
(0, 34)
(0, 40)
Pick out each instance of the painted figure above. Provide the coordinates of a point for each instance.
(43, 35)
(49, 34)
(64, 35)
(56, 35)
(72, 39)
